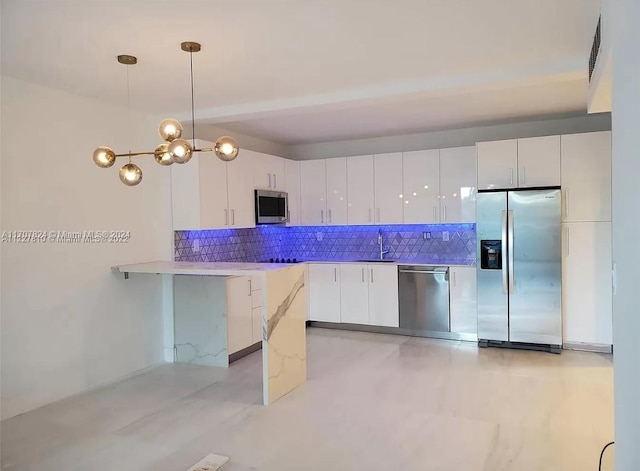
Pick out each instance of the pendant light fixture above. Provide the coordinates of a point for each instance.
(174, 149)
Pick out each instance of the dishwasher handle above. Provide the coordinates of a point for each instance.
(428, 272)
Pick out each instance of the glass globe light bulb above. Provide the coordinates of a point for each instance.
(104, 157)
(162, 154)
(181, 151)
(130, 174)
(226, 148)
(170, 129)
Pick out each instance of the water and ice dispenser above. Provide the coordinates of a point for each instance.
(491, 254)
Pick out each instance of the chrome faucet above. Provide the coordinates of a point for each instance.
(382, 252)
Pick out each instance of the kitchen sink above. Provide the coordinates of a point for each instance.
(376, 260)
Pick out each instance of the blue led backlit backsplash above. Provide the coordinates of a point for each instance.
(410, 243)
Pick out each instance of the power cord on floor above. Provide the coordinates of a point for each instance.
(602, 454)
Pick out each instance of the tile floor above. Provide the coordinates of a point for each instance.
(372, 402)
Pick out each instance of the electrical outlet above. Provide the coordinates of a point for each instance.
(196, 246)
(319, 236)
(426, 235)
(445, 236)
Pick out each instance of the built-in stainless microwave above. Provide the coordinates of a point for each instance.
(271, 207)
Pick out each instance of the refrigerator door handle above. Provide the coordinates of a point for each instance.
(510, 251)
(504, 252)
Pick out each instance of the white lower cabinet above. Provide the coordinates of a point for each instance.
(324, 292)
(383, 295)
(354, 293)
(239, 314)
(463, 300)
(586, 283)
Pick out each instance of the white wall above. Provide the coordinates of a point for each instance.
(68, 323)
(450, 138)
(625, 17)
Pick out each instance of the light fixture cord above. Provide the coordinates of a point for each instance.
(129, 112)
(193, 120)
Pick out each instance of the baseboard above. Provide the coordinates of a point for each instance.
(245, 351)
(588, 347)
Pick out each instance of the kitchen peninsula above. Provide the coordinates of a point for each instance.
(196, 315)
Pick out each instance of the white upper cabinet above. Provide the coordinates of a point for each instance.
(360, 187)
(539, 161)
(388, 188)
(241, 191)
(324, 292)
(586, 176)
(336, 191)
(268, 171)
(497, 164)
(383, 295)
(313, 192)
(421, 186)
(458, 185)
(292, 186)
(199, 192)
(354, 294)
(586, 283)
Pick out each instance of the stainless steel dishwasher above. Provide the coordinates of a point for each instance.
(424, 299)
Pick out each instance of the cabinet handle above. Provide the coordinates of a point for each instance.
(372, 275)
(249, 286)
(566, 203)
(269, 175)
(363, 275)
(511, 176)
(378, 214)
(233, 217)
(434, 214)
(566, 236)
(275, 181)
(322, 216)
(444, 213)
(335, 275)
(524, 175)
(329, 219)
(454, 279)
(226, 217)
(369, 214)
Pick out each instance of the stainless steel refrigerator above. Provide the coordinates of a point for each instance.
(519, 268)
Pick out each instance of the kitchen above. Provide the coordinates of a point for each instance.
(153, 352)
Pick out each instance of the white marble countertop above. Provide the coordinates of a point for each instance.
(395, 262)
(201, 268)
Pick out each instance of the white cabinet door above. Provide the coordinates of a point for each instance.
(586, 176)
(458, 184)
(239, 314)
(240, 191)
(313, 192)
(497, 164)
(256, 316)
(463, 300)
(421, 185)
(199, 192)
(324, 292)
(360, 189)
(586, 283)
(383, 295)
(336, 191)
(292, 187)
(277, 171)
(539, 161)
(354, 294)
(388, 188)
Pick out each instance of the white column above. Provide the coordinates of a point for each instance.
(624, 28)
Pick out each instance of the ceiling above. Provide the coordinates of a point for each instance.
(297, 71)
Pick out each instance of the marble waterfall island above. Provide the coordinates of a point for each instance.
(196, 301)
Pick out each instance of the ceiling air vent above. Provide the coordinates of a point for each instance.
(595, 48)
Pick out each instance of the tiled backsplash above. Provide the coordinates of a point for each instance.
(419, 243)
